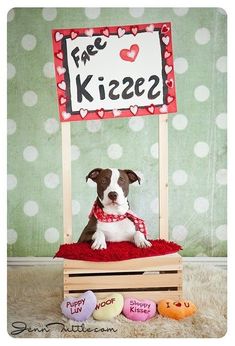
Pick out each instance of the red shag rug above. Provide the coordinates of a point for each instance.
(116, 251)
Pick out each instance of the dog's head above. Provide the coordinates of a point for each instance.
(113, 185)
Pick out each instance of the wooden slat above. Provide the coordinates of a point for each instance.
(156, 296)
(147, 270)
(122, 281)
(67, 195)
(155, 263)
(163, 176)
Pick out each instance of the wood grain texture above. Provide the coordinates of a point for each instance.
(67, 192)
(163, 176)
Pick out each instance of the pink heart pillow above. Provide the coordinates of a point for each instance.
(139, 310)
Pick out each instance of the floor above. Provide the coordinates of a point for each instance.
(35, 295)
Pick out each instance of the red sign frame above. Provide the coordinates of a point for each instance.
(64, 102)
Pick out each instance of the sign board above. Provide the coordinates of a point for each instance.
(113, 72)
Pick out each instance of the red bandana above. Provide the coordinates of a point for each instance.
(101, 216)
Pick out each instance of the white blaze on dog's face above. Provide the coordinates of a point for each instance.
(113, 188)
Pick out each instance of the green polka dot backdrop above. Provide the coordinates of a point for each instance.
(197, 133)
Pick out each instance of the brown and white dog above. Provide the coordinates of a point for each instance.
(112, 190)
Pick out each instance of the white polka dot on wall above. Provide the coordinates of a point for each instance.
(51, 125)
(30, 153)
(179, 122)
(92, 12)
(154, 205)
(201, 205)
(221, 121)
(181, 11)
(221, 64)
(10, 15)
(221, 232)
(179, 177)
(202, 36)
(201, 149)
(179, 233)
(11, 236)
(154, 150)
(221, 176)
(11, 126)
(75, 207)
(51, 180)
(11, 182)
(201, 93)
(180, 65)
(115, 151)
(49, 14)
(93, 125)
(52, 235)
(136, 11)
(11, 71)
(136, 123)
(75, 152)
(29, 42)
(30, 98)
(31, 208)
(49, 70)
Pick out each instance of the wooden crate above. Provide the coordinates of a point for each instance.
(155, 277)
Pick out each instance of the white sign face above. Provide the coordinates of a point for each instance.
(103, 86)
(113, 72)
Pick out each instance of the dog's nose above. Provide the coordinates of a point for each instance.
(112, 195)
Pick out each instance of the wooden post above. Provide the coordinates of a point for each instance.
(163, 176)
(66, 169)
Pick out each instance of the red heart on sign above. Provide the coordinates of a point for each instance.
(165, 29)
(130, 54)
(169, 83)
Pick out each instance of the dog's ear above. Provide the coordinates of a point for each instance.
(93, 175)
(132, 176)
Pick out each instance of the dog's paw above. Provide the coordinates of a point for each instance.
(141, 241)
(99, 242)
(98, 245)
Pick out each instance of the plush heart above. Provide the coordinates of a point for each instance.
(139, 310)
(108, 307)
(176, 309)
(81, 308)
